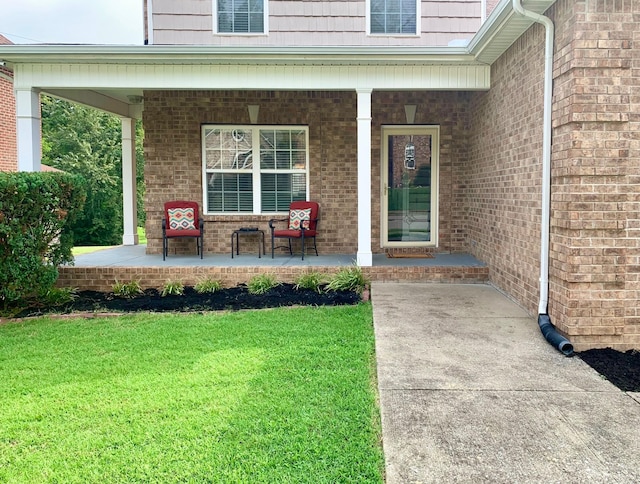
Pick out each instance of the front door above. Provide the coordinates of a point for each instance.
(409, 186)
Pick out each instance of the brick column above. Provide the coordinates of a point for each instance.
(595, 241)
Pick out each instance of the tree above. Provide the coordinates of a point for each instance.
(87, 142)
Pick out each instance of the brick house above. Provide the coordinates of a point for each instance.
(8, 149)
(467, 126)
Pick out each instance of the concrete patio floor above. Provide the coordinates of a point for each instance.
(135, 256)
(471, 392)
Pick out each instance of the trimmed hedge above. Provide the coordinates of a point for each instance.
(35, 212)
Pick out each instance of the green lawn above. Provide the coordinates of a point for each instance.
(284, 396)
(87, 249)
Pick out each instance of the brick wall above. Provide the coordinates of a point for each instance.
(8, 146)
(173, 157)
(595, 219)
(502, 203)
(596, 215)
(103, 278)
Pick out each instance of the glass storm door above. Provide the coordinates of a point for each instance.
(409, 191)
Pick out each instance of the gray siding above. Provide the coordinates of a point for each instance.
(312, 22)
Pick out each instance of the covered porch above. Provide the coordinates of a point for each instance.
(338, 101)
(100, 270)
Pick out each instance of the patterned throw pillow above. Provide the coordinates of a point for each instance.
(181, 219)
(299, 216)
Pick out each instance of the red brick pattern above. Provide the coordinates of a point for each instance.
(8, 143)
(173, 158)
(502, 181)
(103, 278)
(595, 211)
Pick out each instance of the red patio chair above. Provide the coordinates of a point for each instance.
(302, 224)
(182, 219)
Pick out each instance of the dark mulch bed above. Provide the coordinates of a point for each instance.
(621, 369)
(234, 298)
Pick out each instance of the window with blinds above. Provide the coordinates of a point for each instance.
(240, 16)
(254, 169)
(393, 17)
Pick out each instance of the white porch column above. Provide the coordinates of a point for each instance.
(28, 130)
(364, 256)
(129, 193)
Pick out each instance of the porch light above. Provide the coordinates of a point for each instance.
(410, 113)
(254, 109)
(410, 155)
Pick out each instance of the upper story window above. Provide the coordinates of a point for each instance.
(240, 16)
(393, 17)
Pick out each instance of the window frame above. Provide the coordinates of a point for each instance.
(265, 21)
(256, 170)
(394, 34)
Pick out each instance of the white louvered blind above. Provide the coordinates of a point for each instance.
(393, 16)
(254, 169)
(240, 16)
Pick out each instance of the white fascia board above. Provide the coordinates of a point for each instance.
(178, 54)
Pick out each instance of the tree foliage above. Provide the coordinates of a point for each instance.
(87, 142)
(36, 212)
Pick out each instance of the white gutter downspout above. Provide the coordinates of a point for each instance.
(544, 321)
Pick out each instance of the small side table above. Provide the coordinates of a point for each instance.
(247, 231)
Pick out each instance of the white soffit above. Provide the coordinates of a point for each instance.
(503, 27)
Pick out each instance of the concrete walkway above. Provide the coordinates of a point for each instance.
(471, 392)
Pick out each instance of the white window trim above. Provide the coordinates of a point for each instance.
(255, 170)
(214, 16)
(418, 22)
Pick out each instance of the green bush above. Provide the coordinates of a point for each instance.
(127, 290)
(208, 285)
(58, 296)
(36, 210)
(261, 283)
(312, 281)
(349, 279)
(172, 288)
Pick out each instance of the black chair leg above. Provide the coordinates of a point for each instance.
(272, 244)
(290, 249)
(164, 248)
(302, 244)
